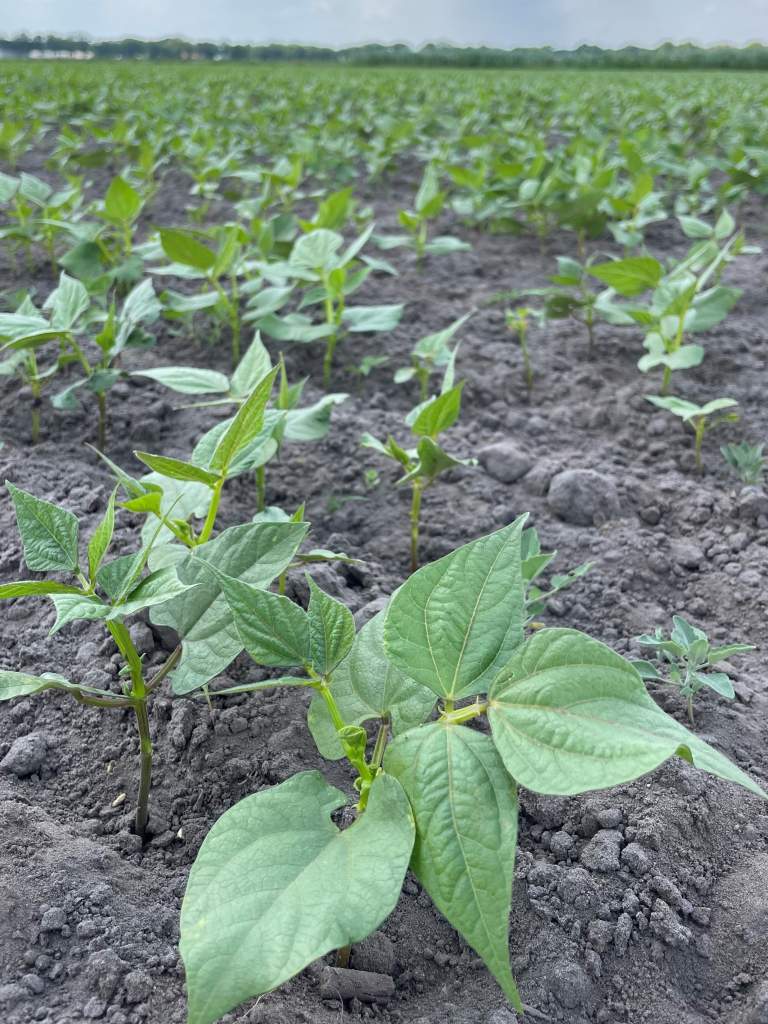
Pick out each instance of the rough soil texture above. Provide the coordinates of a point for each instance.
(646, 903)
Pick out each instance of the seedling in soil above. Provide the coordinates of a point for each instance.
(219, 268)
(517, 325)
(72, 320)
(109, 591)
(287, 420)
(432, 354)
(570, 298)
(698, 417)
(427, 206)
(681, 302)
(423, 464)
(746, 460)
(330, 274)
(276, 884)
(534, 562)
(686, 656)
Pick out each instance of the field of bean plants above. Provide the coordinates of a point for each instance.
(384, 545)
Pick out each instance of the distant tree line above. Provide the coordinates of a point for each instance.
(668, 56)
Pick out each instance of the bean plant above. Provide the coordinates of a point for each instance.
(329, 273)
(746, 460)
(432, 354)
(277, 884)
(427, 205)
(533, 563)
(685, 658)
(73, 321)
(700, 418)
(423, 464)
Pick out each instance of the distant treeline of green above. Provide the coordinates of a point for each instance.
(668, 56)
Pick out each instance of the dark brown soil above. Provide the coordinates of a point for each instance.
(676, 935)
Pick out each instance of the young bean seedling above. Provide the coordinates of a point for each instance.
(111, 592)
(423, 464)
(698, 417)
(534, 562)
(276, 884)
(73, 321)
(686, 656)
(428, 205)
(329, 274)
(746, 460)
(432, 354)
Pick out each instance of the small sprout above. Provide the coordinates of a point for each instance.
(746, 460)
(432, 354)
(686, 656)
(697, 416)
(517, 323)
(534, 562)
(423, 464)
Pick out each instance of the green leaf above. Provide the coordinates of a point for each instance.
(367, 685)
(175, 469)
(31, 588)
(67, 303)
(465, 806)
(245, 426)
(49, 534)
(695, 228)
(312, 422)
(254, 553)
(122, 202)
(72, 607)
(372, 318)
(569, 715)
(439, 413)
(717, 681)
(19, 684)
(188, 380)
(455, 623)
(331, 629)
(433, 460)
(273, 629)
(182, 247)
(157, 588)
(276, 885)
(317, 250)
(712, 307)
(102, 538)
(630, 276)
(252, 368)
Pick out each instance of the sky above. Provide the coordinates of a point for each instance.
(503, 23)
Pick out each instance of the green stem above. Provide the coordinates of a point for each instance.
(528, 369)
(234, 319)
(465, 714)
(102, 433)
(145, 780)
(690, 710)
(415, 516)
(330, 348)
(213, 509)
(261, 488)
(381, 742)
(423, 376)
(666, 380)
(169, 665)
(699, 428)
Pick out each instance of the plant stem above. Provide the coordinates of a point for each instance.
(261, 488)
(528, 369)
(168, 666)
(102, 436)
(381, 742)
(465, 714)
(415, 517)
(213, 509)
(330, 348)
(666, 380)
(234, 319)
(699, 428)
(690, 710)
(145, 740)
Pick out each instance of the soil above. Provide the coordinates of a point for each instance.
(645, 903)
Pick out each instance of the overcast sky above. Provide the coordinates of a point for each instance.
(560, 23)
